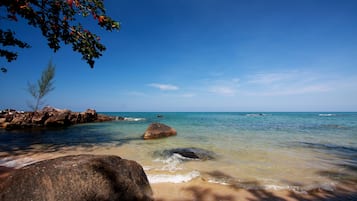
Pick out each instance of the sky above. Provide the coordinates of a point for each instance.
(201, 55)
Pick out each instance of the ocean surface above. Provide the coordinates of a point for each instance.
(295, 151)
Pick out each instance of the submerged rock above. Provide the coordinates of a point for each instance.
(158, 130)
(188, 153)
(78, 178)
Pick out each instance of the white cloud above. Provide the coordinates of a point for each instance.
(223, 90)
(226, 87)
(164, 87)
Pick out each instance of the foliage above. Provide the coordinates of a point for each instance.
(43, 87)
(57, 21)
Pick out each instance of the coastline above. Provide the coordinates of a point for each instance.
(197, 189)
(255, 157)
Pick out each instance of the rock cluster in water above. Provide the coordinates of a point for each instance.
(158, 130)
(78, 178)
(48, 117)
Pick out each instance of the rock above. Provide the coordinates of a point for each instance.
(2, 120)
(188, 153)
(78, 178)
(5, 172)
(158, 130)
(102, 118)
(89, 115)
(39, 118)
(119, 118)
(49, 117)
(60, 119)
(50, 109)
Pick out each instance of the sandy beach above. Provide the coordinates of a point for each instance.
(198, 189)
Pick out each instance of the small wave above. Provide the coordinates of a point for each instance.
(171, 162)
(177, 178)
(302, 189)
(133, 119)
(17, 163)
(274, 187)
(327, 115)
(256, 115)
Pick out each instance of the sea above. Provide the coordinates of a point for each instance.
(272, 150)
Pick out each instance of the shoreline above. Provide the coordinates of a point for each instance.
(199, 189)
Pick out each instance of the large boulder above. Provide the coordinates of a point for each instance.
(158, 130)
(78, 178)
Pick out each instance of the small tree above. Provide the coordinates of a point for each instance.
(43, 87)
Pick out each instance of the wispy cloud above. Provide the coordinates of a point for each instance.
(292, 90)
(223, 90)
(270, 78)
(287, 83)
(188, 95)
(164, 87)
(227, 87)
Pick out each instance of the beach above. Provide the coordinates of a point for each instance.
(245, 156)
(198, 189)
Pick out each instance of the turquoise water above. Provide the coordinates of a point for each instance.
(298, 151)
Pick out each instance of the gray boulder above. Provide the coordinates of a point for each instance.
(190, 153)
(78, 178)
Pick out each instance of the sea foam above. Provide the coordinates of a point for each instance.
(327, 115)
(17, 163)
(176, 178)
(171, 163)
(133, 119)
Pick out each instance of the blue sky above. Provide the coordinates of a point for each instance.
(223, 55)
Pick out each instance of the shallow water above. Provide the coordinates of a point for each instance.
(297, 151)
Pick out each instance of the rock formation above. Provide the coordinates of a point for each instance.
(158, 130)
(78, 178)
(49, 117)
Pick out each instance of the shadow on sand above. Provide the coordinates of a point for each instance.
(16, 143)
(346, 191)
